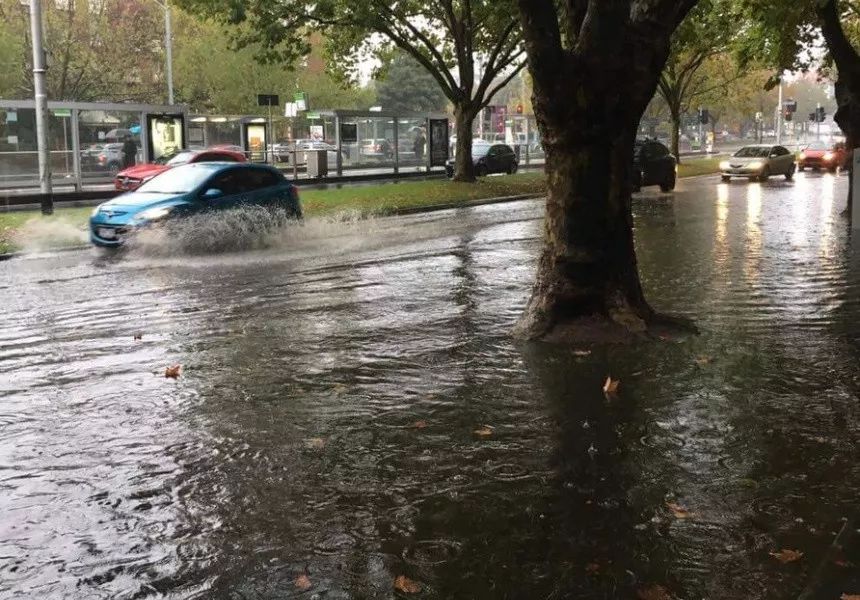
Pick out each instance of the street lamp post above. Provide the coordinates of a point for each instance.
(168, 47)
(41, 97)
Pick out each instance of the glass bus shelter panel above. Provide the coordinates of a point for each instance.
(255, 141)
(375, 146)
(412, 143)
(103, 135)
(223, 132)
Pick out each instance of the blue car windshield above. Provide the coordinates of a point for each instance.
(180, 180)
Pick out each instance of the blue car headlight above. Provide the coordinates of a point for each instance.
(153, 214)
(95, 211)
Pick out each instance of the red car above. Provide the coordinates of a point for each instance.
(819, 155)
(133, 177)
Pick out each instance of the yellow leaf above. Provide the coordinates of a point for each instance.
(484, 431)
(653, 592)
(611, 386)
(582, 352)
(849, 597)
(592, 568)
(786, 556)
(420, 424)
(315, 443)
(679, 511)
(703, 360)
(173, 371)
(303, 582)
(406, 585)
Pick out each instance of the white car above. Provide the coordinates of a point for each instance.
(759, 162)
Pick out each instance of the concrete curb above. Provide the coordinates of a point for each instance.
(10, 255)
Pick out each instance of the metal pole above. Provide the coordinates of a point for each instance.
(270, 138)
(396, 148)
(76, 151)
(168, 44)
(818, 121)
(41, 106)
(779, 115)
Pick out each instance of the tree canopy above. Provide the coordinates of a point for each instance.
(406, 86)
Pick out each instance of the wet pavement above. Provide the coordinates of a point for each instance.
(352, 409)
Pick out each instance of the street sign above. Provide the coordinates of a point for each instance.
(312, 115)
(268, 100)
(62, 112)
(301, 100)
(291, 109)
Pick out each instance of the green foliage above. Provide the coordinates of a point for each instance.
(405, 86)
(214, 76)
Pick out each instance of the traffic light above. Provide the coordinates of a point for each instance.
(787, 115)
(519, 109)
(812, 117)
(820, 114)
(704, 116)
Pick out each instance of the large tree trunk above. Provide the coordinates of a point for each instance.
(588, 265)
(588, 103)
(848, 83)
(464, 169)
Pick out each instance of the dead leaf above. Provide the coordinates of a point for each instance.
(484, 431)
(315, 443)
(406, 585)
(582, 352)
(849, 597)
(703, 360)
(653, 592)
(786, 556)
(420, 424)
(137, 336)
(592, 568)
(610, 386)
(679, 510)
(173, 371)
(844, 564)
(303, 582)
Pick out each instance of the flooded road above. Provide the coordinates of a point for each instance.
(353, 409)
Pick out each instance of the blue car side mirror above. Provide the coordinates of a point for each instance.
(212, 193)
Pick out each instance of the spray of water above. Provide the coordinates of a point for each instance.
(37, 235)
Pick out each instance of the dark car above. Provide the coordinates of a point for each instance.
(653, 164)
(488, 159)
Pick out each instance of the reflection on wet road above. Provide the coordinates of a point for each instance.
(333, 383)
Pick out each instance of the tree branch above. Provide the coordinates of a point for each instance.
(542, 40)
(843, 53)
(504, 82)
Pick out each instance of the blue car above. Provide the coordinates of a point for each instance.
(189, 189)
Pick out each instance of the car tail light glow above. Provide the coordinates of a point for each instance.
(802, 156)
(828, 156)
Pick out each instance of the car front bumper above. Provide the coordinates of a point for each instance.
(109, 235)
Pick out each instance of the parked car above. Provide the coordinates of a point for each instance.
(102, 157)
(378, 148)
(189, 189)
(488, 159)
(133, 177)
(820, 155)
(653, 164)
(758, 162)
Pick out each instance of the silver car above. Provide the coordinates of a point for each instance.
(758, 163)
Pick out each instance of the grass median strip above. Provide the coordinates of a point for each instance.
(377, 199)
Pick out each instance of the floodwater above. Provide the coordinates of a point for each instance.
(352, 409)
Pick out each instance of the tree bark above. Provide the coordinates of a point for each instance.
(588, 103)
(847, 85)
(464, 168)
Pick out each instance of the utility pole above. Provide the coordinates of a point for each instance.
(779, 115)
(41, 95)
(818, 120)
(168, 44)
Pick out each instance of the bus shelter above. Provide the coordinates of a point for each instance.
(88, 141)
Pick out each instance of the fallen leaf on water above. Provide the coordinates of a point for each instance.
(173, 371)
(303, 582)
(406, 585)
(420, 424)
(582, 352)
(484, 431)
(653, 592)
(137, 336)
(679, 510)
(592, 568)
(610, 386)
(844, 564)
(849, 597)
(315, 443)
(786, 556)
(703, 360)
